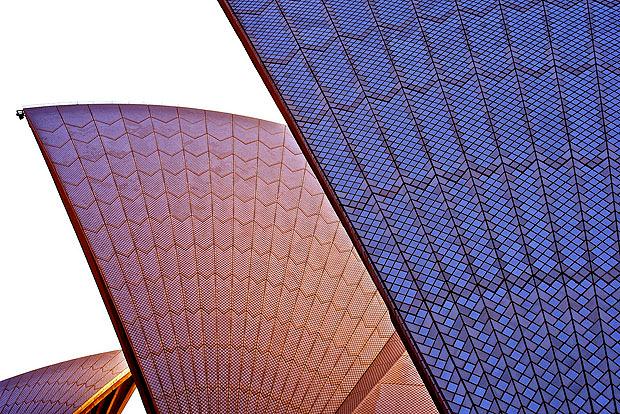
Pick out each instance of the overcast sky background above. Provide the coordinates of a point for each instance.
(181, 53)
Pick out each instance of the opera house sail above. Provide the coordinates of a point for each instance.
(231, 282)
(471, 149)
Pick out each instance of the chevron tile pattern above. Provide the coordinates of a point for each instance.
(67, 386)
(474, 146)
(233, 278)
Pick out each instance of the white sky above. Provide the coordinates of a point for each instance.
(159, 52)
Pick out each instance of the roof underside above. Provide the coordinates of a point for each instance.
(473, 147)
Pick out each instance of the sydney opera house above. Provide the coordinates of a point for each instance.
(434, 231)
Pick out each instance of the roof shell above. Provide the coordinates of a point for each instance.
(231, 282)
(472, 147)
